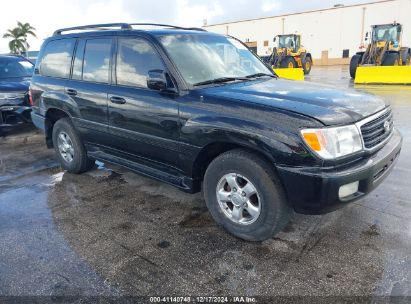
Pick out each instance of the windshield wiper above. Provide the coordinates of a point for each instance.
(261, 75)
(220, 80)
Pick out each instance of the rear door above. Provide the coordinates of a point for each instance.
(142, 121)
(89, 87)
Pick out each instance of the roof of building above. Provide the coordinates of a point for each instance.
(299, 13)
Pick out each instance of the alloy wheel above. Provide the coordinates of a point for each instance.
(65, 146)
(238, 199)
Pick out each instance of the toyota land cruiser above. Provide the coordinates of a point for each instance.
(200, 111)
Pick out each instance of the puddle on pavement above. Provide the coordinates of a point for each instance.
(36, 258)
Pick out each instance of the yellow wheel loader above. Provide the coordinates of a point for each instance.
(384, 57)
(291, 54)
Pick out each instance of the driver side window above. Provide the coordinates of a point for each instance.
(135, 58)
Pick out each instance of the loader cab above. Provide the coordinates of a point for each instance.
(288, 42)
(386, 32)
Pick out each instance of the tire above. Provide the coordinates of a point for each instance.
(391, 59)
(66, 138)
(307, 65)
(288, 62)
(269, 198)
(354, 63)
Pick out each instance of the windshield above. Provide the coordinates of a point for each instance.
(285, 42)
(201, 58)
(15, 68)
(386, 33)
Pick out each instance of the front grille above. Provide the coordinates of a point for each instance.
(377, 130)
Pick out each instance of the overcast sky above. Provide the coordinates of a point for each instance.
(48, 15)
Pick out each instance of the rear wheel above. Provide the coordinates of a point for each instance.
(69, 148)
(307, 64)
(391, 59)
(245, 196)
(288, 62)
(354, 63)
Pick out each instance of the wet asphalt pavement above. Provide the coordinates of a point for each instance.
(110, 232)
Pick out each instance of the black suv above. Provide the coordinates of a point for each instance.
(199, 110)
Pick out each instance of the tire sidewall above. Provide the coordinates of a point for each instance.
(284, 63)
(390, 59)
(269, 193)
(64, 125)
(307, 59)
(354, 63)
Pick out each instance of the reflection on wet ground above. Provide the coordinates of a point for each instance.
(112, 232)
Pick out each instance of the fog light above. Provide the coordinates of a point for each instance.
(348, 189)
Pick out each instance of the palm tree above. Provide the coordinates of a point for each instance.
(16, 45)
(19, 35)
(26, 29)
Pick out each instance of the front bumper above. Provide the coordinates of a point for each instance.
(11, 115)
(315, 190)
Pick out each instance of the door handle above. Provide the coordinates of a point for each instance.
(117, 100)
(71, 92)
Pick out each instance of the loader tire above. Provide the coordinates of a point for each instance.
(288, 62)
(354, 63)
(307, 64)
(391, 59)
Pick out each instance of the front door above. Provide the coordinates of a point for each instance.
(142, 122)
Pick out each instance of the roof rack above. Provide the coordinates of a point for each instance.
(170, 26)
(122, 26)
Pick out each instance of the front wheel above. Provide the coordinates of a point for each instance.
(354, 63)
(391, 59)
(307, 64)
(245, 196)
(288, 62)
(69, 147)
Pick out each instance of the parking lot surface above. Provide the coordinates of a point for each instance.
(110, 232)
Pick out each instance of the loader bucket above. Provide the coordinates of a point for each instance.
(293, 74)
(383, 75)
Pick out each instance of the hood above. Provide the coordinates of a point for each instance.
(327, 104)
(14, 84)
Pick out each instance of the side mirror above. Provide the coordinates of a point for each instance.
(156, 80)
(366, 35)
(275, 38)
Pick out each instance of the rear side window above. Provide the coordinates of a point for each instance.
(56, 60)
(96, 63)
(135, 57)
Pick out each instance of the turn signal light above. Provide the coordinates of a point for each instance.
(312, 140)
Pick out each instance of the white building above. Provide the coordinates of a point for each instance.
(326, 32)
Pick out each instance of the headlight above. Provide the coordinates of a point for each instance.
(330, 143)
